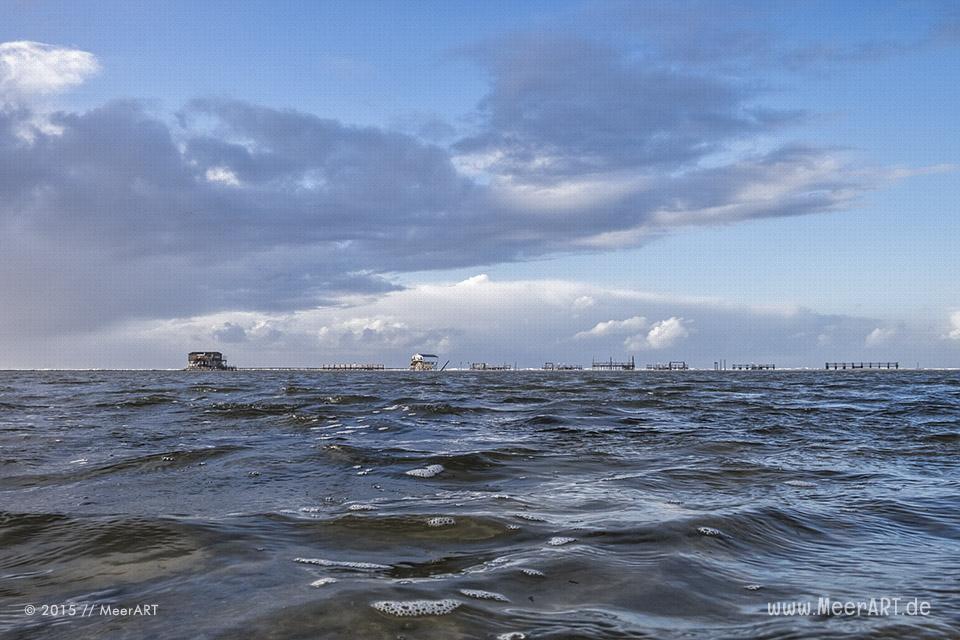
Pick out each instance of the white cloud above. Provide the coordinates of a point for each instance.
(879, 336)
(34, 68)
(222, 175)
(955, 325)
(662, 334)
(613, 327)
(524, 321)
(584, 302)
(570, 194)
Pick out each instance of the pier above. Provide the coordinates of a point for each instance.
(862, 365)
(559, 366)
(483, 366)
(611, 365)
(673, 365)
(352, 366)
(752, 367)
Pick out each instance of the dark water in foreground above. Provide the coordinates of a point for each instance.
(682, 493)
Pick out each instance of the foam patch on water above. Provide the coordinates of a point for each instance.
(752, 587)
(441, 521)
(310, 509)
(361, 507)
(341, 564)
(411, 608)
(484, 595)
(800, 483)
(533, 572)
(527, 516)
(322, 582)
(709, 532)
(426, 472)
(512, 635)
(557, 541)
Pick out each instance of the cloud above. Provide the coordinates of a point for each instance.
(749, 36)
(613, 327)
(662, 334)
(223, 175)
(879, 336)
(33, 68)
(121, 214)
(562, 106)
(954, 326)
(483, 319)
(229, 333)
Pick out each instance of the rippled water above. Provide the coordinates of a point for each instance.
(556, 505)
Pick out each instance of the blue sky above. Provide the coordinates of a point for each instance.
(693, 165)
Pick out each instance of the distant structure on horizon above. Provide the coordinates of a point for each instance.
(752, 367)
(611, 365)
(483, 366)
(207, 361)
(423, 362)
(559, 366)
(673, 365)
(862, 365)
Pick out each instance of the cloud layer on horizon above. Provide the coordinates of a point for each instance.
(523, 321)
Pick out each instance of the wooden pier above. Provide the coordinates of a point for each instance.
(483, 366)
(862, 365)
(559, 366)
(611, 365)
(752, 367)
(324, 367)
(673, 365)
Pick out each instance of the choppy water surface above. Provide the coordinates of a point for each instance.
(556, 505)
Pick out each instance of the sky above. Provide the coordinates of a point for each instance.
(296, 184)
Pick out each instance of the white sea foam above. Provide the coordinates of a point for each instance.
(752, 587)
(322, 582)
(361, 507)
(512, 635)
(709, 531)
(533, 572)
(342, 564)
(426, 472)
(441, 521)
(484, 595)
(311, 509)
(411, 608)
(556, 541)
(800, 483)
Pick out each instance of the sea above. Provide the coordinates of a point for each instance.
(500, 505)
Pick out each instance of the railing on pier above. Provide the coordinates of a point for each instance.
(862, 365)
(559, 366)
(673, 365)
(611, 365)
(752, 367)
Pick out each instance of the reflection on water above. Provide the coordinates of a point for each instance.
(472, 505)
